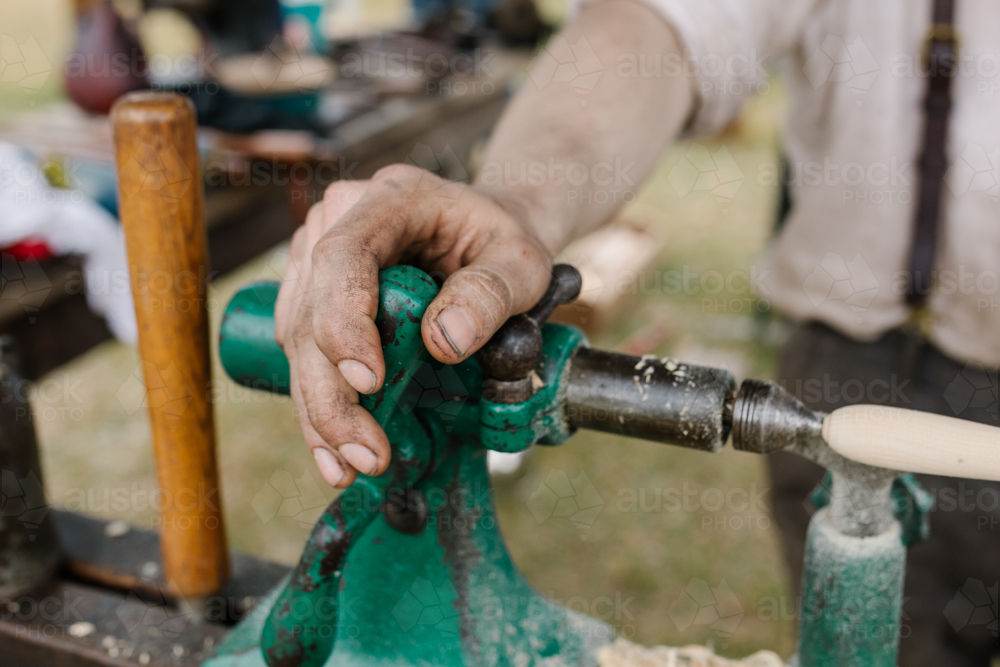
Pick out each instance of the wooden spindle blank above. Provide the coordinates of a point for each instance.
(161, 204)
(914, 441)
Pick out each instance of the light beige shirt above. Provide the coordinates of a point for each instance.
(856, 83)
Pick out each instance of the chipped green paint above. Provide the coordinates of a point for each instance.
(515, 427)
(852, 596)
(911, 505)
(852, 587)
(365, 593)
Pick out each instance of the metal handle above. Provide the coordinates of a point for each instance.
(662, 400)
(515, 350)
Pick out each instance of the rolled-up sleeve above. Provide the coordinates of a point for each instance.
(730, 47)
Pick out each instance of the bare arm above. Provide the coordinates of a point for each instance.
(494, 240)
(617, 129)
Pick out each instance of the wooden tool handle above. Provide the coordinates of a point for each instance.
(914, 441)
(160, 195)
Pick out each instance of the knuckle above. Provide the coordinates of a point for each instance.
(302, 329)
(340, 193)
(328, 340)
(297, 247)
(362, 300)
(493, 292)
(332, 419)
(315, 214)
(533, 258)
(326, 247)
(398, 172)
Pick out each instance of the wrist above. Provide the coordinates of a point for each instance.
(529, 208)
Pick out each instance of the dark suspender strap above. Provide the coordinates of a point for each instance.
(941, 60)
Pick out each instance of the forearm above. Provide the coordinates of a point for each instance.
(565, 158)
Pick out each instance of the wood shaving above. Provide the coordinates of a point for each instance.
(624, 653)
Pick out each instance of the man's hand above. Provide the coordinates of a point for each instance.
(491, 240)
(325, 315)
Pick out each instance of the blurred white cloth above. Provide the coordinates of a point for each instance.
(70, 224)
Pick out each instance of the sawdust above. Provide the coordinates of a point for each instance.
(624, 653)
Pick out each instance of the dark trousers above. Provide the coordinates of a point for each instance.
(950, 607)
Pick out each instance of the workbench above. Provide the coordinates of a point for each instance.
(244, 216)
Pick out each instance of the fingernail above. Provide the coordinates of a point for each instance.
(458, 328)
(328, 466)
(360, 457)
(358, 375)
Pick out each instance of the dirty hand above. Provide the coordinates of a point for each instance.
(325, 314)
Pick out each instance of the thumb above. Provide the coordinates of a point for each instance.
(506, 278)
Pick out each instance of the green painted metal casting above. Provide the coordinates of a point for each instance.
(409, 567)
(852, 596)
(443, 591)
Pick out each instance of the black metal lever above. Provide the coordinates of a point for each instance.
(515, 350)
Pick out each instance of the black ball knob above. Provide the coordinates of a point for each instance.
(513, 351)
(516, 348)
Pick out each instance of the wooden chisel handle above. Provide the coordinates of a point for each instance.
(913, 441)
